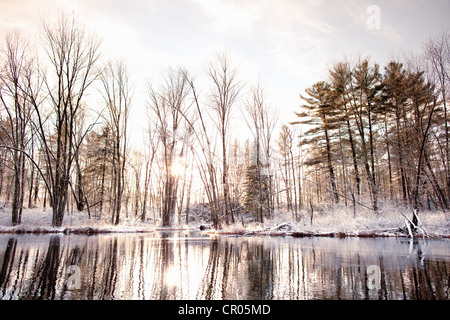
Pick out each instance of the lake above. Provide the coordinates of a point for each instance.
(177, 265)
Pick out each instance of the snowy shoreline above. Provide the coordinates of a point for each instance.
(339, 234)
(332, 222)
(398, 232)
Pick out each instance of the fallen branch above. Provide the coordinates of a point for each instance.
(422, 228)
(410, 224)
(408, 227)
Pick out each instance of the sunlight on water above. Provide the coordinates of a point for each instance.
(178, 266)
(172, 277)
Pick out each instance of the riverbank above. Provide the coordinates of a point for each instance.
(336, 222)
(341, 222)
(395, 232)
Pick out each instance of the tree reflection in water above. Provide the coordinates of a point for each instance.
(177, 266)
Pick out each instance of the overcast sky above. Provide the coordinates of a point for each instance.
(287, 44)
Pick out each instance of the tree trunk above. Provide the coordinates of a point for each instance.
(330, 167)
(188, 199)
(355, 162)
(16, 205)
(372, 161)
(146, 186)
(391, 187)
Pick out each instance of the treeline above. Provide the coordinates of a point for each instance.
(377, 133)
(65, 136)
(367, 135)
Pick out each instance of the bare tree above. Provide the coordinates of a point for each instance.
(72, 53)
(261, 122)
(169, 109)
(437, 52)
(223, 96)
(151, 145)
(204, 156)
(117, 96)
(16, 67)
(285, 145)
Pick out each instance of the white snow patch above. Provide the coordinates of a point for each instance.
(38, 219)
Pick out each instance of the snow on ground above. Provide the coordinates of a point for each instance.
(40, 220)
(340, 219)
(334, 219)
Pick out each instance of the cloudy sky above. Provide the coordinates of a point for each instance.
(287, 44)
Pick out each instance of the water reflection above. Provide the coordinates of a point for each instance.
(174, 266)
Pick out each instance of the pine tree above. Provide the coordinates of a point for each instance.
(340, 77)
(320, 115)
(97, 173)
(366, 88)
(256, 192)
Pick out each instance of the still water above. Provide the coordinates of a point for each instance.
(183, 266)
